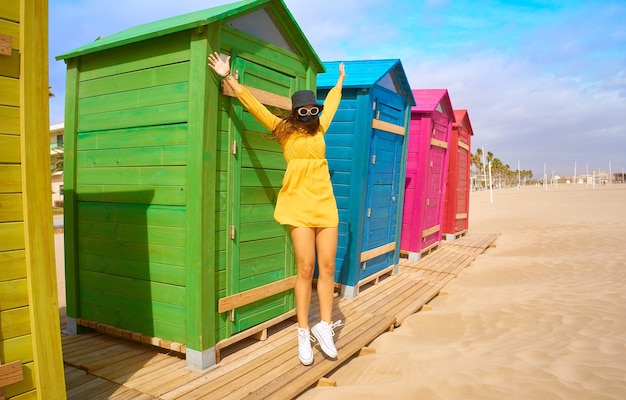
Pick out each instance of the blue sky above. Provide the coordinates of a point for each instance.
(544, 81)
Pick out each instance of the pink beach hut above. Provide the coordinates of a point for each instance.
(456, 209)
(427, 167)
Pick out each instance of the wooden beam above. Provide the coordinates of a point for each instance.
(250, 296)
(464, 145)
(11, 373)
(265, 97)
(388, 127)
(430, 231)
(438, 143)
(461, 216)
(369, 254)
(6, 45)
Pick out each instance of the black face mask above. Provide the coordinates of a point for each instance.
(306, 118)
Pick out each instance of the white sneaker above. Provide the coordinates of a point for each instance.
(324, 334)
(305, 352)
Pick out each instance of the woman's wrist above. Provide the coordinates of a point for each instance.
(228, 75)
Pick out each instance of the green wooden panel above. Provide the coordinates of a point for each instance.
(261, 248)
(164, 50)
(144, 97)
(138, 214)
(258, 195)
(142, 308)
(134, 288)
(145, 234)
(259, 138)
(256, 213)
(150, 318)
(260, 230)
(136, 269)
(164, 195)
(262, 265)
(155, 115)
(165, 135)
(145, 78)
(254, 158)
(133, 157)
(262, 310)
(139, 176)
(261, 177)
(261, 279)
(133, 251)
(13, 294)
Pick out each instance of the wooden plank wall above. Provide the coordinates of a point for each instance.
(29, 319)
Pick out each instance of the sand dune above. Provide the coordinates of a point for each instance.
(540, 316)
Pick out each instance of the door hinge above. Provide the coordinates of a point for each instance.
(374, 159)
(369, 212)
(234, 147)
(373, 106)
(232, 232)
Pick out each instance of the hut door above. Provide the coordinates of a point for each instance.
(258, 252)
(434, 186)
(379, 232)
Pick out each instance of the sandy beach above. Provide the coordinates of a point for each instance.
(540, 316)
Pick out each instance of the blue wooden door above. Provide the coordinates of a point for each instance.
(383, 183)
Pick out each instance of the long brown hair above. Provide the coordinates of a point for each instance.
(291, 124)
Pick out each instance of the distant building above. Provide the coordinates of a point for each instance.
(56, 163)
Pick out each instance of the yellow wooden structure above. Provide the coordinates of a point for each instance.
(31, 363)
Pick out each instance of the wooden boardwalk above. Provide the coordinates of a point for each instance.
(98, 366)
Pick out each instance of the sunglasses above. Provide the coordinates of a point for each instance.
(303, 112)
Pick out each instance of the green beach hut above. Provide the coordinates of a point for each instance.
(170, 184)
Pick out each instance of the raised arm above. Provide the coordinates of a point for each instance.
(255, 107)
(332, 100)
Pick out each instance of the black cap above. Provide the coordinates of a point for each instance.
(303, 98)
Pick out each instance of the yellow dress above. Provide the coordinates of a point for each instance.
(306, 198)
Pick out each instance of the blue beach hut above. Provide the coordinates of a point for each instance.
(366, 152)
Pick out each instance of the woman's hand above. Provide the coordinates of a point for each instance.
(222, 68)
(342, 70)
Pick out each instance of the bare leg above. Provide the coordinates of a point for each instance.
(326, 243)
(303, 240)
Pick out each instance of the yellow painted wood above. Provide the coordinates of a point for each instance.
(12, 29)
(10, 91)
(11, 236)
(14, 323)
(10, 145)
(38, 233)
(10, 117)
(12, 265)
(25, 384)
(10, 10)
(11, 208)
(18, 348)
(12, 178)
(13, 294)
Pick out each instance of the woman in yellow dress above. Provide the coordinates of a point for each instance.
(306, 201)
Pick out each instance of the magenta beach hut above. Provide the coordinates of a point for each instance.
(427, 166)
